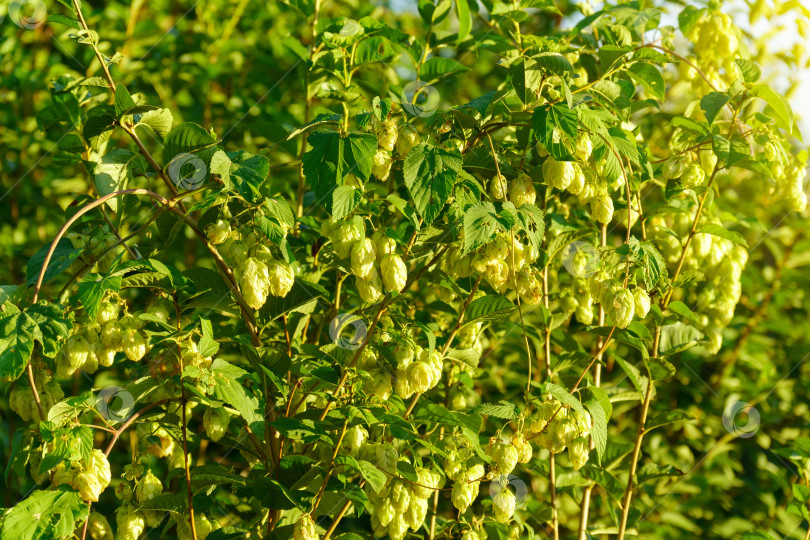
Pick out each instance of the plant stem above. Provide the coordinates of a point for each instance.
(552, 472)
(184, 421)
(597, 381)
(645, 406)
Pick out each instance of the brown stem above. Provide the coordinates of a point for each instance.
(339, 516)
(183, 401)
(597, 381)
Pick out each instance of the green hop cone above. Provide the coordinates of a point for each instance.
(578, 181)
(108, 312)
(521, 190)
(98, 527)
(497, 187)
(202, 526)
(370, 289)
(387, 135)
(427, 481)
(130, 523)
(218, 232)
(602, 208)
(407, 138)
(419, 376)
(564, 430)
(134, 344)
(382, 165)
(621, 308)
(524, 449)
(584, 312)
(380, 385)
(345, 235)
(398, 527)
(88, 485)
(642, 302)
(355, 439)
(394, 272)
(584, 146)
(416, 513)
(504, 505)
(110, 335)
(148, 488)
(505, 455)
(693, 176)
(559, 174)
(673, 168)
(305, 528)
(281, 278)
(253, 282)
(215, 421)
(382, 244)
(578, 451)
(363, 256)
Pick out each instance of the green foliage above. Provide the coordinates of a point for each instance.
(363, 266)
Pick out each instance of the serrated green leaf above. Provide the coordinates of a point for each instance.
(501, 409)
(45, 515)
(678, 337)
(649, 77)
(344, 200)
(488, 308)
(93, 288)
(480, 226)
(430, 173)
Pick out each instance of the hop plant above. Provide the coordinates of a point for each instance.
(363, 256)
(305, 528)
(559, 174)
(387, 135)
(693, 176)
(621, 308)
(98, 527)
(407, 138)
(504, 505)
(345, 236)
(215, 421)
(602, 208)
(578, 450)
(134, 344)
(281, 278)
(218, 232)
(505, 455)
(642, 302)
(370, 288)
(254, 282)
(131, 523)
(521, 190)
(148, 488)
(497, 187)
(394, 272)
(382, 165)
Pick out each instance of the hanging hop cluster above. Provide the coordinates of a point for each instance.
(402, 505)
(556, 426)
(89, 476)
